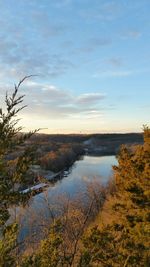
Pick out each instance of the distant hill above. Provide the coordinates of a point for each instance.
(109, 144)
(100, 144)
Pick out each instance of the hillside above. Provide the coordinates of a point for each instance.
(120, 235)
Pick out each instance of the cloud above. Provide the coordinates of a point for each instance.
(44, 26)
(91, 98)
(23, 54)
(94, 43)
(115, 62)
(119, 73)
(54, 103)
(133, 34)
(103, 11)
(16, 65)
(62, 3)
(25, 48)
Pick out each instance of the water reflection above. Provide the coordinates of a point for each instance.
(42, 206)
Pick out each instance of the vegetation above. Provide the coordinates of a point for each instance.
(100, 144)
(63, 157)
(10, 141)
(124, 239)
(120, 236)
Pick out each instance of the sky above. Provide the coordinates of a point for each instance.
(91, 58)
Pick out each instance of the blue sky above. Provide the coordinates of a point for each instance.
(92, 58)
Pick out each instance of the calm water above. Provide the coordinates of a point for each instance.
(83, 172)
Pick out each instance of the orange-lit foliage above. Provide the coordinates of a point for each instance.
(61, 158)
(123, 239)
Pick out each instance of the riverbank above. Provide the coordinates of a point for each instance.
(52, 157)
(120, 234)
(85, 175)
(85, 170)
(70, 198)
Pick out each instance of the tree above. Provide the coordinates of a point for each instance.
(11, 139)
(124, 241)
(61, 246)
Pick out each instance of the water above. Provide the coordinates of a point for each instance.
(85, 171)
(82, 173)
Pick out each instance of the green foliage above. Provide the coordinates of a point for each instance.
(8, 246)
(49, 252)
(125, 240)
(11, 140)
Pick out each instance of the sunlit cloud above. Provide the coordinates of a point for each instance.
(55, 103)
(84, 53)
(91, 98)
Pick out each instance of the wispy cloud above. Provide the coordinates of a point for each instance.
(111, 73)
(62, 3)
(56, 103)
(47, 28)
(68, 42)
(24, 48)
(119, 73)
(16, 64)
(95, 43)
(91, 98)
(115, 62)
(104, 11)
(133, 34)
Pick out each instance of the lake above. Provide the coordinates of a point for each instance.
(83, 172)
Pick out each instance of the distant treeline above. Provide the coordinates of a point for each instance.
(68, 138)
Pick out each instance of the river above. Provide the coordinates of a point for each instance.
(83, 172)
